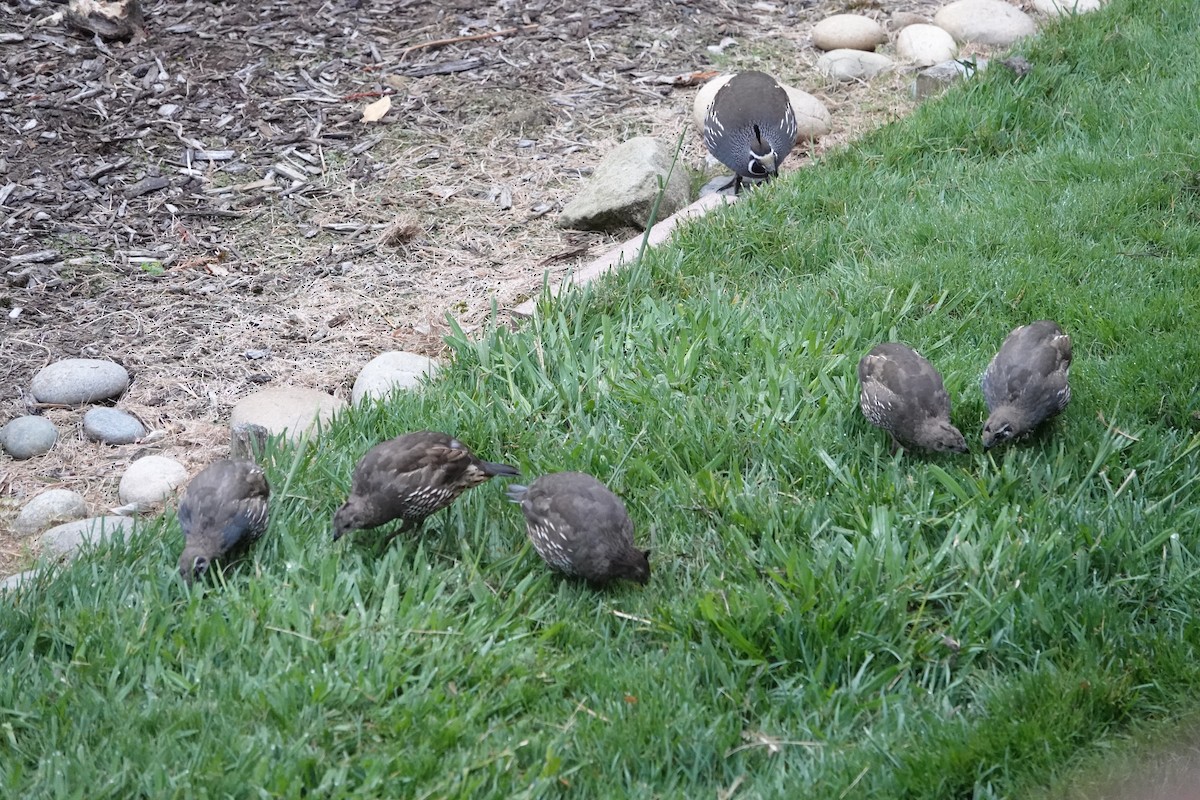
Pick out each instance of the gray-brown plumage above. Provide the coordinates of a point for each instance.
(221, 511)
(581, 528)
(1026, 383)
(410, 477)
(903, 393)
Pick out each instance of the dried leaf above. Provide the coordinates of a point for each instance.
(375, 111)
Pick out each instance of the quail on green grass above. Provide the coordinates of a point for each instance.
(581, 528)
(410, 477)
(750, 126)
(1026, 382)
(903, 393)
(221, 511)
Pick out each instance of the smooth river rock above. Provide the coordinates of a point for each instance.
(79, 380)
(29, 436)
(1058, 7)
(64, 540)
(925, 45)
(853, 65)
(295, 410)
(848, 31)
(112, 426)
(49, 508)
(151, 479)
(991, 22)
(390, 371)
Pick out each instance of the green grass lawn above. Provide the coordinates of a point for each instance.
(824, 619)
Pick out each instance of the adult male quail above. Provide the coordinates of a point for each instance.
(750, 126)
(222, 510)
(409, 478)
(902, 393)
(581, 528)
(1026, 383)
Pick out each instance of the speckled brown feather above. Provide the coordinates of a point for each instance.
(221, 511)
(1026, 382)
(579, 527)
(409, 478)
(901, 392)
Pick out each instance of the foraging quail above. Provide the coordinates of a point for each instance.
(409, 478)
(750, 126)
(222, 510)
(581, 528)
(1026, 383)
(903, 394)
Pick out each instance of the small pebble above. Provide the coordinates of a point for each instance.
(112, 426)
(29, 436)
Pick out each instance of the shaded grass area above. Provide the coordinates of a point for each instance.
(823, 618)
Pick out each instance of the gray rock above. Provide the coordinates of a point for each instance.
(150, 480)
(79, 380)
(64, 540)
(848, 31)
(14, 582)
(26, 437)
(933, 80)
(389, 371)
(623, 189)
(991, 22)
(293, 410)
(112, 426)
(853, 65)
(49, 508)
(925, 45)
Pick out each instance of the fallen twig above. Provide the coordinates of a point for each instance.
(472, 38)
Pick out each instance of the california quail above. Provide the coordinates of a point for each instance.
(409, 478)
(903, 394)
(222, 510)
(1026, 383)
(581, 528)
(750, 126)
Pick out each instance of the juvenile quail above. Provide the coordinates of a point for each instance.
(222, 510)
(902, 393)
(1026, 383)
(750, 126)
(409, 478)
(581, 528)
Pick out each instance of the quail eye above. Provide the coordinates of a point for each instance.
(200, 565)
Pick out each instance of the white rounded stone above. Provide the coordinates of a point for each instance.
(79, 380)
(293, 410)
(64, 540)
(390, 371)
(813, 119)
(150, 480)
(925, 45)
(1058, 7)
(49, 508)
(848, 31)
(991, 22)
(853, 65)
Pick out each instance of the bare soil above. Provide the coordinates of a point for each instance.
(205, 205)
